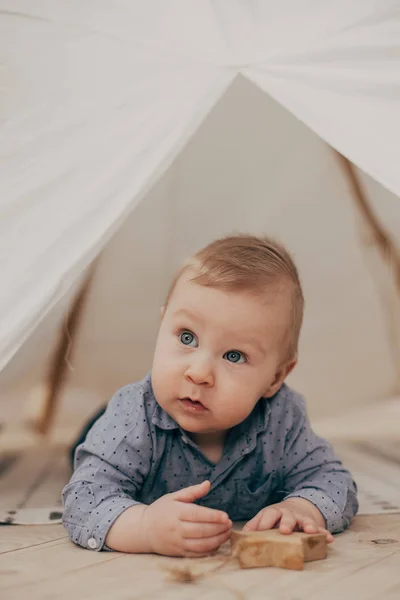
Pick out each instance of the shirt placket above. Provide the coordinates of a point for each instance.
(201, 461)
(234, 454)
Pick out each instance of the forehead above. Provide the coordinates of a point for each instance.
(245, 312)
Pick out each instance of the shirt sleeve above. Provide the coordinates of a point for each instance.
(312, 471)
(110, 467)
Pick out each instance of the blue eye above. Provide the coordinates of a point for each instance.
(188, 339)
(234, 356)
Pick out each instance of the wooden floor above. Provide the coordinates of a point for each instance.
(39, 562)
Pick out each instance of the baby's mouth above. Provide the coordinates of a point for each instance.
(192, 405)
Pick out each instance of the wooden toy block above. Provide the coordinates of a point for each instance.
(274, 549)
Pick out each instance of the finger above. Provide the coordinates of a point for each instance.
(192, 493)
(329, 536)
(208, 545)
(288, 522)
(265, 519)
(308, 525)
(201, 514)
(204, 530)
(253, 524)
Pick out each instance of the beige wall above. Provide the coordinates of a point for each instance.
(251, 167)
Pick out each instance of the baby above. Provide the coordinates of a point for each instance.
(213, 434)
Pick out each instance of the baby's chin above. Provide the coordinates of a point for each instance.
(195, 426)
(193, 423)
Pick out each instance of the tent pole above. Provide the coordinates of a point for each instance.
(58, 366)
(381, 238)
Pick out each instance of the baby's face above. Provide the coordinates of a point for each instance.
(217, 353)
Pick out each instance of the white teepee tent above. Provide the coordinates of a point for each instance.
(98, 99)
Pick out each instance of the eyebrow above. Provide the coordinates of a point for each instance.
(183, 312)
(256, 345)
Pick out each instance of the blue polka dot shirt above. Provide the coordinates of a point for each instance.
(135, 453)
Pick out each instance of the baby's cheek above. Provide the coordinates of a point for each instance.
(245, 397)
(236, 408)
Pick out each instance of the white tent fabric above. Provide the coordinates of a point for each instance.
(99, 96)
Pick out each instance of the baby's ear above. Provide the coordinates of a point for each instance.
(290, 366)
(280, 377)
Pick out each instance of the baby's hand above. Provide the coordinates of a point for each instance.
(293, 514)
(175, 526)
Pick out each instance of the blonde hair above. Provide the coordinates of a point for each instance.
(248, 262)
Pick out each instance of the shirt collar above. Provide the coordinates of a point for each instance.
(244, 436)
(159, 417)
(162, 419)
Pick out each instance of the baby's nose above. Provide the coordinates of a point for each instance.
(200, 372)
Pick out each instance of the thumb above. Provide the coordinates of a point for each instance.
(192, 493)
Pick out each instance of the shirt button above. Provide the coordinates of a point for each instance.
(92, 543)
